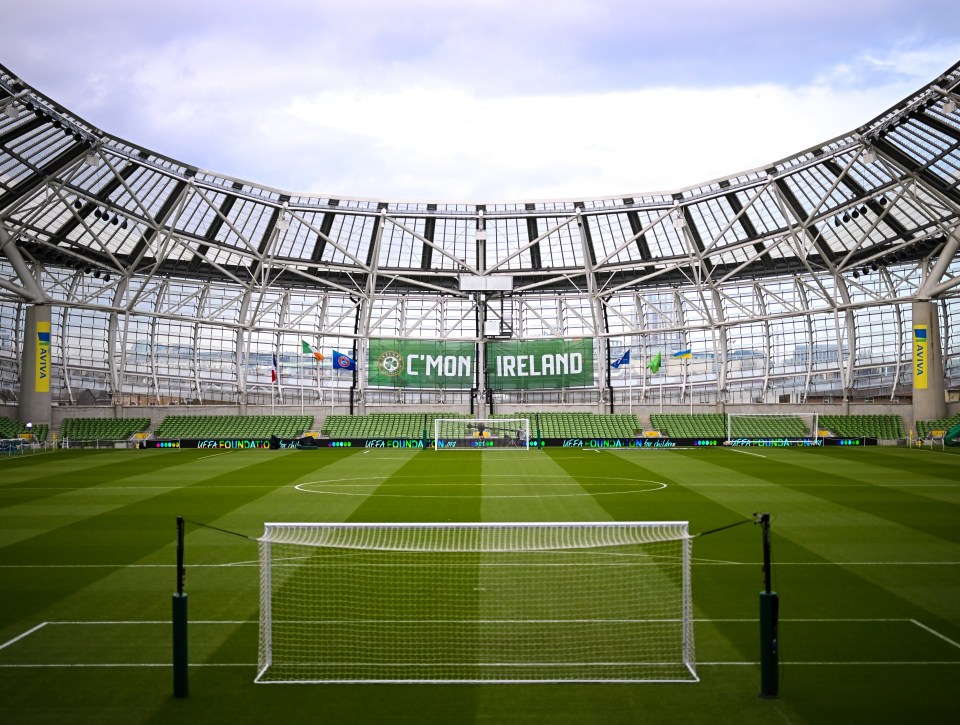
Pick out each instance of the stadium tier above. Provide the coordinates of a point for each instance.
(101, 429)
(883, 427)
(542, 425)
(12, 429)
(233, 426)
(925, 426)
(697, 425)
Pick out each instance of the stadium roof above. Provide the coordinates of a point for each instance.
(74, 195)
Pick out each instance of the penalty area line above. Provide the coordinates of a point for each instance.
(747, 453)
(24, 634)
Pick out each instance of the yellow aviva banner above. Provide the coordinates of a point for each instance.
(43, 357)
(921, 354)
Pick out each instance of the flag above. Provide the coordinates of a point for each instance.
(687, 354)
(273, 370)
(309, 349)
(622, 360)
(654, 364)
(343, 362)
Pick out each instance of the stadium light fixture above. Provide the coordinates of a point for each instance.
(949, 105)
(854, 213)
(11, 110)
(846, 217)
(869, 155)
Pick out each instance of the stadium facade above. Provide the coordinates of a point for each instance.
(826, 280)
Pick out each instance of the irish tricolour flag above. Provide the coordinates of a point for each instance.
(309, 349)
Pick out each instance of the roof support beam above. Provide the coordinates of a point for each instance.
(945, 190)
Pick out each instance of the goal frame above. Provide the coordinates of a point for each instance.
(476, 538)
(511, 425)
(813, 417)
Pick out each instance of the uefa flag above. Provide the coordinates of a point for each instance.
(273, 370)
(622, 360)
(309, 349)
(654, 364)
(343, 362)
(684, 354)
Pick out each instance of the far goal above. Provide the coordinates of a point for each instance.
(481, 433)
(756, 425)
(476, 602)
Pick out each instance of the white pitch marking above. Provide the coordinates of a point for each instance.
(748, 453)
(694, 562)
(935, 633)
(213, 454)
(25, 634)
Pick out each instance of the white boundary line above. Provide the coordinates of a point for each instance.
(129, 665)
(25, 634)
(747, 453)
(695, 562)
(935, 633)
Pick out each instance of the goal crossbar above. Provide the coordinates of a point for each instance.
(482, 602)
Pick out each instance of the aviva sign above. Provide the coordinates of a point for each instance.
(43, 357)
(921, 357)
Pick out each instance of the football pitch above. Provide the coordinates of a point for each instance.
(866, 560)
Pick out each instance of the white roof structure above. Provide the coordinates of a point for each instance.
(173, 283)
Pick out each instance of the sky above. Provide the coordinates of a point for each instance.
(483, 101)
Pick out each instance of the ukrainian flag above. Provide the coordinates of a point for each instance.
(683, 354)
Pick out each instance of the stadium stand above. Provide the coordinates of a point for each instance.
(12, 429)
(925, 426)
(383, 425)
(233, 426)
(884, 427)
(544, 425)
(101, 429)
(698, 425)
(587, 425)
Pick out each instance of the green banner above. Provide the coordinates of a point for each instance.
(534, 364)
(421, 364)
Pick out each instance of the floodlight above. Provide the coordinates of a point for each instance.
(949, 106)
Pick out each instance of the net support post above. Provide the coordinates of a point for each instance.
(180, 659)
(769, 621)
(179, 618)
(769, 643)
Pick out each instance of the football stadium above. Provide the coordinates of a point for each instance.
(274, 456)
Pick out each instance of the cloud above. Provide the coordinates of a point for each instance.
(482, 101)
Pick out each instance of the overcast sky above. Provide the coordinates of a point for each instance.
(440, 100)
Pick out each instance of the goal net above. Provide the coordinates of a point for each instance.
(481, 433)
(505, 602)
(794, 425)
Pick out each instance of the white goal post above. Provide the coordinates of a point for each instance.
(779, 425)
(476, 602)
(481, 433)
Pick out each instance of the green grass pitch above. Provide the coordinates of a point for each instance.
(866, 550)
